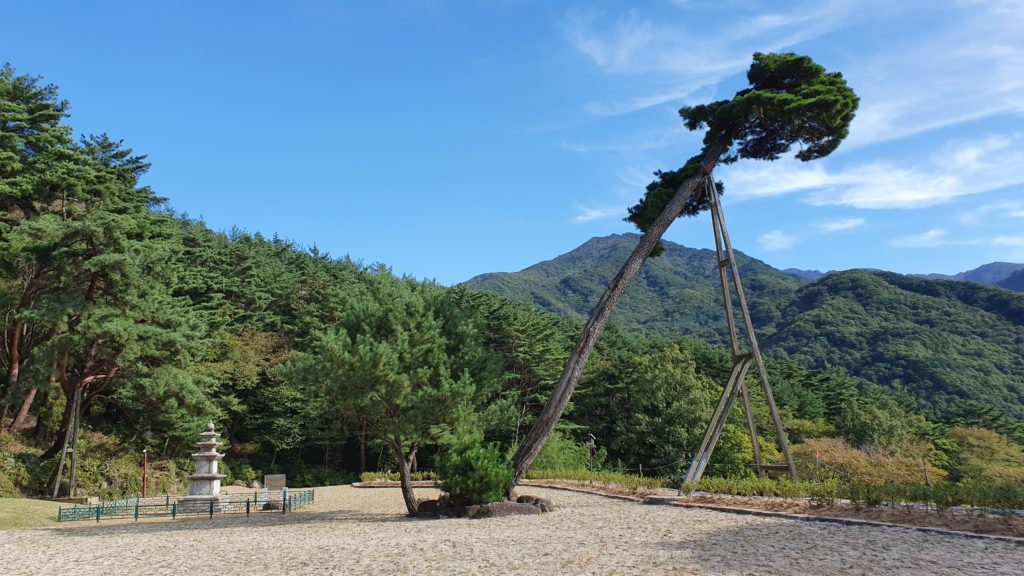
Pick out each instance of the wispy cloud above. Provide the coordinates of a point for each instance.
(696, 57)
(968, 66)
(959, 169)
(939, 237)
(929, 239)
(1007, 209)
(591, 214)
(1012, 241)
(776, 240)
(837, 225)
(648, 140)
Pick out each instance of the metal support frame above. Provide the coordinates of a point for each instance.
(742, 355)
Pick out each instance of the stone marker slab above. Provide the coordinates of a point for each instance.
(274, 482)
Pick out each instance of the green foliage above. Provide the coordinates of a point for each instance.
(981, 456)
(791, 100)
(561, 452)
(471, 471)
(644, 401)
(954, 347)
(14, 475)
(630, 482)
(393, 476)
(833, 458)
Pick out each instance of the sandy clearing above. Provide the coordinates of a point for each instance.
(360, 531)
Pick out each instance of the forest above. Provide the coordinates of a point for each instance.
(322, 367)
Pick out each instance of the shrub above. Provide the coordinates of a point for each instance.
(560, 452)
(841, 462)
(983, 456)
(473, 472)
(393, 476)
(629, 481)
(14, 475)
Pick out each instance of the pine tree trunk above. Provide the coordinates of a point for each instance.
(14, 366)
(362, 448)
(555, 406)
(405, 477)
(19, 420)
(65, 426)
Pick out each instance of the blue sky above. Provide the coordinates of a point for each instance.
(448, 139)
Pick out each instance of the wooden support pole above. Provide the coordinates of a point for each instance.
(780, 432)
(741, 358)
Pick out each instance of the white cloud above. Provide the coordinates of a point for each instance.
(965, 66)
(776, 240)
(959, 169)
(929, 239)
(591, 214)
(1012, 241)
(966, 69)
(937, 237)
(995, 211)
(695, 55)
(837, 225)
(649, 140)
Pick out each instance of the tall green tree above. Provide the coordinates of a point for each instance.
(405, 361)
(36, 161)
(644, 401)
(791, 100)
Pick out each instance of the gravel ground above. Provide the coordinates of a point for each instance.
(363, 531)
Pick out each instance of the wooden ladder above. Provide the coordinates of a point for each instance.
(742, 357)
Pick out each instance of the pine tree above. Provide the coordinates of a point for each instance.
(791, 100)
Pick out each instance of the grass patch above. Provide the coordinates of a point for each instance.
(27, 513)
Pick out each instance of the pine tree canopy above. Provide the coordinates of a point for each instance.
(791, 100)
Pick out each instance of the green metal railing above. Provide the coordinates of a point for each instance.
(172, 506)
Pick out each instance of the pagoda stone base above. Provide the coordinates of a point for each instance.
(201, 504)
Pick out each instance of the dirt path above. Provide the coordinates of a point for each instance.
(361, 531)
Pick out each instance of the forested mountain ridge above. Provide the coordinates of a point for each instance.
(958, 347)
(675, 293)
(950, 344)
(992, 273)
(1013, 282)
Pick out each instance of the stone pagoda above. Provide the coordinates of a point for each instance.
(205, 483)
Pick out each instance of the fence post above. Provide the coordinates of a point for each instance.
(98, 509)
(136, 511)
(211, 508)
(246, 507)
(167, 500)
(174, 511)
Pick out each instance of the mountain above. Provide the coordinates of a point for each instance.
(1014, 281)
(677, 292)
(806, 275)
(991, 273)
(957, 347)
(945, 342)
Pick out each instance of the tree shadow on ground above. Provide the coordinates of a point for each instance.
(783, 546)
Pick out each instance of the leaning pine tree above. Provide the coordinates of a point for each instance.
(790, 100)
